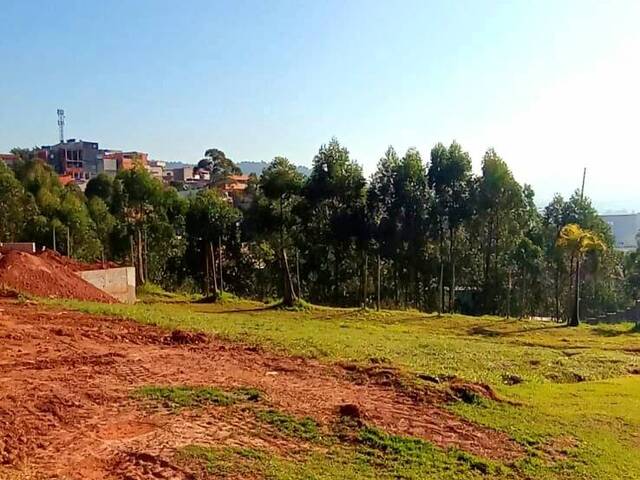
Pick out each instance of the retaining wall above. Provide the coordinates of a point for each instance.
(120, 282)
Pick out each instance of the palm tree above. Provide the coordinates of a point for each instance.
(578, 241)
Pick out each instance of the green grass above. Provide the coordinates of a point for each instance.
(152, 293)
(479, 349)
(303, 428)
(375, 455)
(576, 382)
(223, 462)
(177, 397)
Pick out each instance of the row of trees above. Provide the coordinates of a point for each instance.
(419, 234)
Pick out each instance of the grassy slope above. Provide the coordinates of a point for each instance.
(598, 416)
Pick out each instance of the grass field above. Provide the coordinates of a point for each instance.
(575, 391)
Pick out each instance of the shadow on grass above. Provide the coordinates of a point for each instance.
(607, 332)
(488, 332)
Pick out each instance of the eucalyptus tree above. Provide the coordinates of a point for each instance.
(219, 166)
(383, 215)
(281, 183)
(450, 177)
(210, 222)
(501, 223)
(332, 213)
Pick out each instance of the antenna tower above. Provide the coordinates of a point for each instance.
(61, 124)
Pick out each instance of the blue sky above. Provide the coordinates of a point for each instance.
(553, 86)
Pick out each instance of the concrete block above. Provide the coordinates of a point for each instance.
(120, 282)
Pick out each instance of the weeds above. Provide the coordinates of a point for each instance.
(176, 397)
(305, 428)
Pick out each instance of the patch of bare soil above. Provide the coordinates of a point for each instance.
(66, 408)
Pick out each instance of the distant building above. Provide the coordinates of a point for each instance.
(156, 168)
(78, 159)
(116, 160)
(130, 159)
(234, 188)
(110, 162)
(625, 228)
(8, 158)
(182, 174)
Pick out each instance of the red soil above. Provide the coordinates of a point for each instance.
(45, 276)
(73, 264)
(66, 408)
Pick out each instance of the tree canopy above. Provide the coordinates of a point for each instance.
(421, 233)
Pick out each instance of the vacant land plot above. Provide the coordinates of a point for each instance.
(325, 393)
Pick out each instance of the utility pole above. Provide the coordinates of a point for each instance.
(54, 239)
(584, 176)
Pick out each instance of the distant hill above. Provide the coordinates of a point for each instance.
(247, 167)
(257, 167)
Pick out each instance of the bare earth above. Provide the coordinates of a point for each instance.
(66, 409)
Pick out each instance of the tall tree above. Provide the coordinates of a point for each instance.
(332, 215)
(219, 166)
(501, 221)
(449, 176)
(211, 222)
(16, 206)
(280, 181)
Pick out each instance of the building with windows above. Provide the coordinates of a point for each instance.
(156, 169)
(78, 159)
(625, 228)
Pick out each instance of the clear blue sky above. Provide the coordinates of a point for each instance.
(552, 85)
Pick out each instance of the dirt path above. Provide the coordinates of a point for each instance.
(66, 409)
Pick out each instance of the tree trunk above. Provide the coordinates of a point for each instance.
(378, 292)
(207, 277)
(54, 240)
(298, 273)
(146, 255)
(396, 282)
(452, 290)
(365, 284)
(220, 264)
(441, 280)
(140, 258)
(557, 282)
(133, 258)
(509, 295)
(575, 317)
(289, 296)
(214, 273)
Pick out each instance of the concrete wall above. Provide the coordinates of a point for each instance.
(29, 247)
(120, 283)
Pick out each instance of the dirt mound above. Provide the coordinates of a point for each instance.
(180, 337)
(472, 392)
(42, 276)
(73, 264)
(142, 465)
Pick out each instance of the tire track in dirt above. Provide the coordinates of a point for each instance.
(65, 397)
